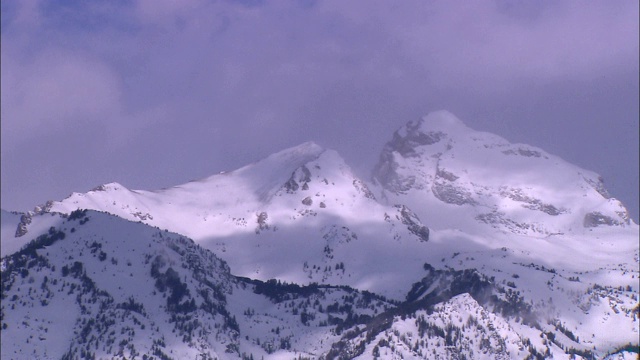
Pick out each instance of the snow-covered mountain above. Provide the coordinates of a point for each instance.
(97, 286)
(299, 215)
(472, 247)
(93, 285)
(469, 180)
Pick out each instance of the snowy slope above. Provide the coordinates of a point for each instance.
(8, 224)
(85, 287)
(469, 180)
(97, 286)
(299, 216)
(465, 329)
(16, 226)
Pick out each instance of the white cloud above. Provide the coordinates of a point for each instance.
(483, 44)
(54, 90)
(201, 74)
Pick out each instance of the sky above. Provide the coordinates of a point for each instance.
(155, 93)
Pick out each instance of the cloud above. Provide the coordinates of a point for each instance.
(231, 81)
(504, 42)
(57, 89)
(279, 58)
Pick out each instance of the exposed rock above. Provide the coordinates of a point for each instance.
(291, 185)
(99, 188)
(598, 186)
(405, 146)
(444, 174)
(532, 203)
(594, 219)
(499, 219)
(262, 221)
(523, 152)
(307, 201)
(413, 223)
(301, 176)
(624, 215)
(363, 188)
(142, 216)
(545, 208)
(451, 194)
(41, 209)
(386, 174)
(25, 220)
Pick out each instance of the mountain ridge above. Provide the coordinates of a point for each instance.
(262, 210)
(525, 246)
(73, 263)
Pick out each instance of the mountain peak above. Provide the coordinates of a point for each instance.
(306, 149)
(442, 120)
(435, 124)
(112, 186)
(451, 174)
(290, 158)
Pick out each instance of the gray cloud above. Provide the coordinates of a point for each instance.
(155, 93)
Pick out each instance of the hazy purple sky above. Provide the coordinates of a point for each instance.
(154, 93)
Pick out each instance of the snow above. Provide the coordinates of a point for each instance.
(521, 183)
(512, 211)
(10, 243)
(442, 120)
(9, 223)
